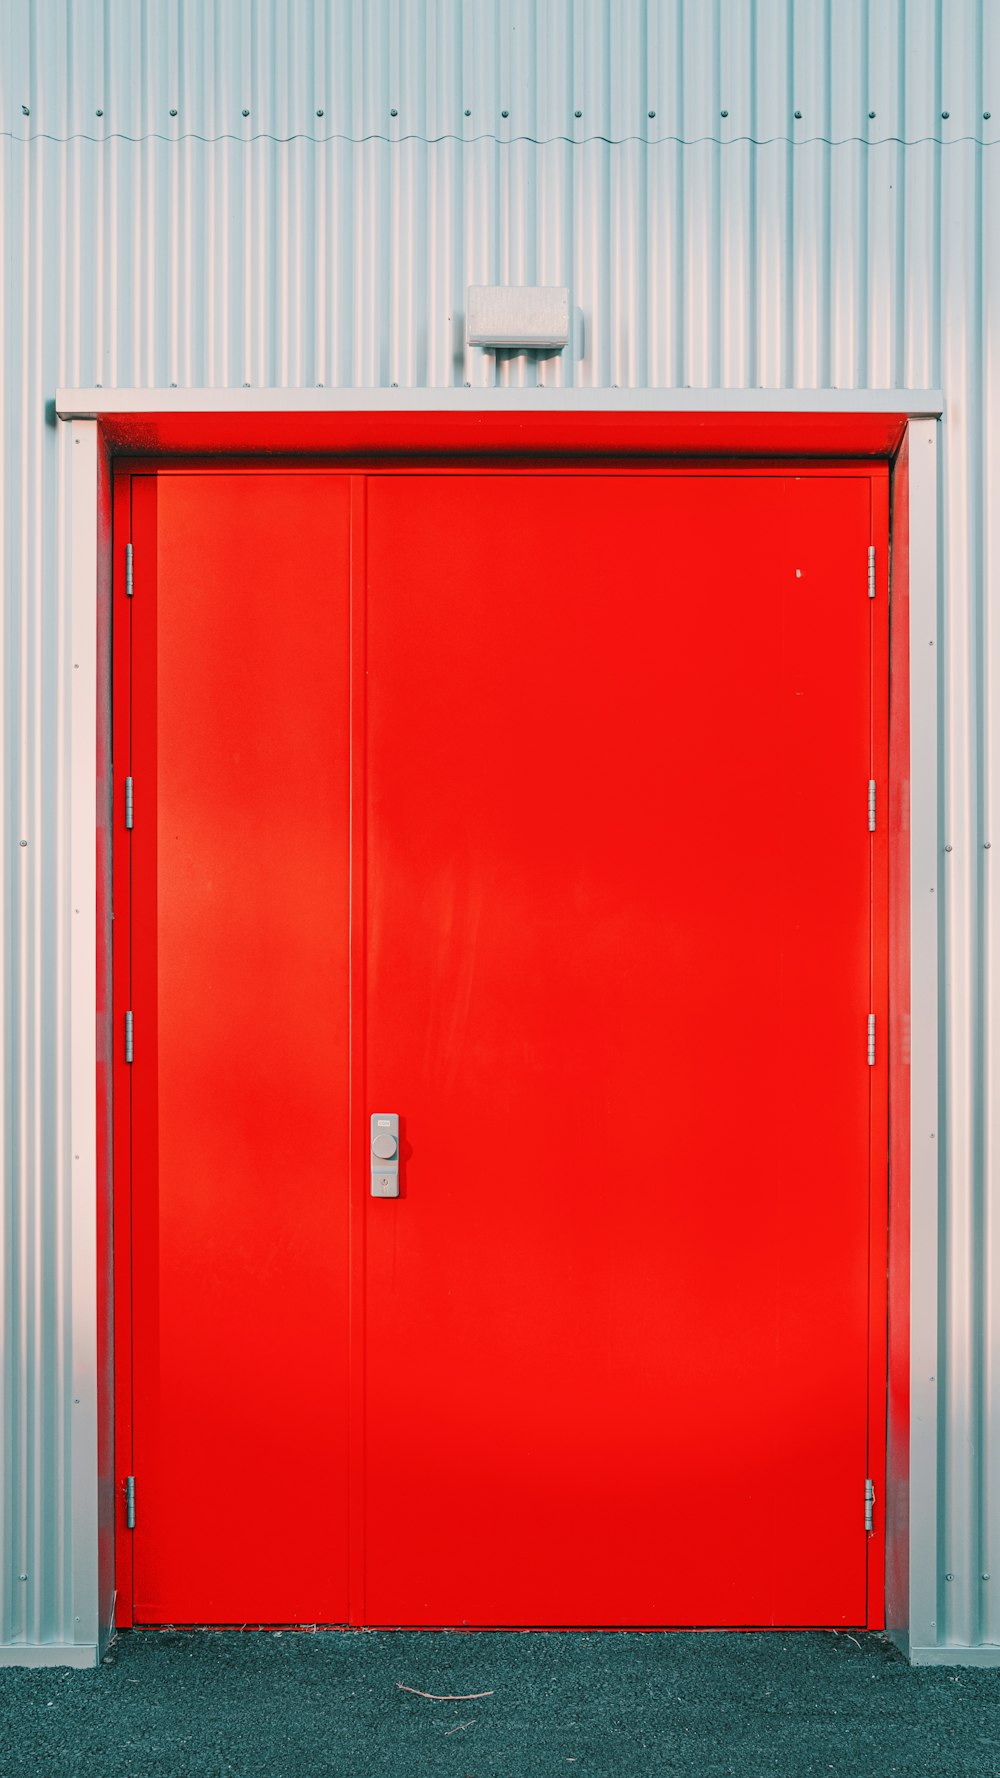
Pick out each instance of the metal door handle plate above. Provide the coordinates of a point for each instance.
(385, 1154)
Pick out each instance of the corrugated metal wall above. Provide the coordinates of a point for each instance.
(739, 193)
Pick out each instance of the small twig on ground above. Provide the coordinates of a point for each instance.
(458, 1726)
(442, 1697)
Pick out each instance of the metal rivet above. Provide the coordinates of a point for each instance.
(985, 1577)
(22, 842)
(22, 1577)
(986, 845)
(651, 114)
(949, 1577)
(948, 848)
(946, 114)
(319, 113)
(505, 114)
(468, 113)
(173, 111)
(987, 115)
(578, 114)
(26, 110)
(245, 112)
(871, 114)
(76, 1398)
(173, 385)
(394, 112)
(99, 112)
(798, 114)
(394, 385)
(723, 113)
(246, 385)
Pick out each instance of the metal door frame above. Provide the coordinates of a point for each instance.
(899, 426)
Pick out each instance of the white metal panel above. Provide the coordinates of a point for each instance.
(320, 240)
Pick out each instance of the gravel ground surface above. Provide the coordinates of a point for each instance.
(343, 1704)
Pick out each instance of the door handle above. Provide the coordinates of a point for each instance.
(385, 1154)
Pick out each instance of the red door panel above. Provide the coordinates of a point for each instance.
(240, 757)
(607, 900)
(619, 955)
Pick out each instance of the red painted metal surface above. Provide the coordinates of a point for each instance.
(620, 964)
(897, 1580)
(121, 966)
(239, 858)
(882, 1073)
(418, 432)
(615, 1352)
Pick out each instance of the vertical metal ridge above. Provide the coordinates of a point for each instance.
(987, 517)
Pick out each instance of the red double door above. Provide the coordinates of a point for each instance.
(530, 806)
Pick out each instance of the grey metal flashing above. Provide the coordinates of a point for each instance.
(923, 1502)
(923, 436)
(48, 1654)
(983, 1654)
(90, 404)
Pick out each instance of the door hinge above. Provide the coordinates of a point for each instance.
(129, 1487)
(129, 805)
(128, 1037)
(869, 1506)
(871, 804)
(871, 1040)
(128, 571)
(871, 571)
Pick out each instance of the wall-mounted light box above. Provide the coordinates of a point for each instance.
(512, 315)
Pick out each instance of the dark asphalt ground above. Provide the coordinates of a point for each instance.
(217, 1704)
